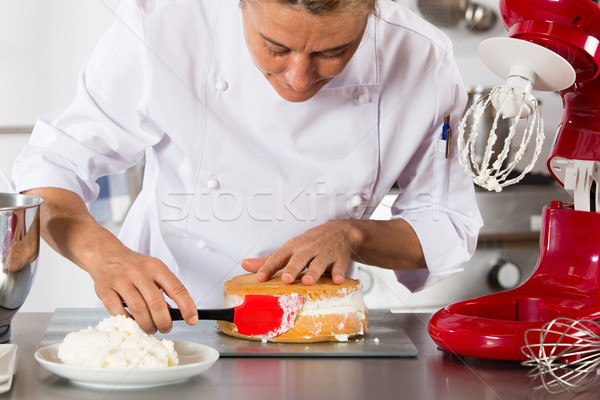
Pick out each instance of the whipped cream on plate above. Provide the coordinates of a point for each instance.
(116, 342)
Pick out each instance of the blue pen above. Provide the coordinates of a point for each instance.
(447, 133)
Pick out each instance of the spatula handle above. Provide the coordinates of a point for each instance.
(220, 314)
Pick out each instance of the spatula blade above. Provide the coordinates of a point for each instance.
(266, 316)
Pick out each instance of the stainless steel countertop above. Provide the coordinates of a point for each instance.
(432, 375)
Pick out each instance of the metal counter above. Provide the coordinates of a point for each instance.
(431, 375)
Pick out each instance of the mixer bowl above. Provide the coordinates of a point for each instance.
(20, 243)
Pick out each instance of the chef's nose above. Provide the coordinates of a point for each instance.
(300, 73)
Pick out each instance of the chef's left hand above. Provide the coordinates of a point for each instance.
(326, 248)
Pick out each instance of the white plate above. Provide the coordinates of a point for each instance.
(194, 359)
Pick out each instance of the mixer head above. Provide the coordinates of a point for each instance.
(526, 67)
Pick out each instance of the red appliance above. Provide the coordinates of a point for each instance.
(565, 282)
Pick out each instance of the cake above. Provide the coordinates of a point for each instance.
(116, 342)
(329, 312)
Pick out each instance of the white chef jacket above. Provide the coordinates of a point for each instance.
(232, 170)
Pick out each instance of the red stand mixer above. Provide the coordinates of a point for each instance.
(566, 280)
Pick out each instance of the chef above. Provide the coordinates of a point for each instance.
(270, 130)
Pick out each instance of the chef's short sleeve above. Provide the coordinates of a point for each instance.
(105, 128)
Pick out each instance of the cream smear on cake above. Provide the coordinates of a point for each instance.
(342, 303)
(289, 305)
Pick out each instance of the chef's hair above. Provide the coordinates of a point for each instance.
(318, 7)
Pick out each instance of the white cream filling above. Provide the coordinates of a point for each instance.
(345, 304)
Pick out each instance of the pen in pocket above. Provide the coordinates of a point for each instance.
(447, 133)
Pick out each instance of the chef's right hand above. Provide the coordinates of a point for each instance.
(119, 273)
(140, 281)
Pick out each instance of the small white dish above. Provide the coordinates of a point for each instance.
(8, 360)
(194, 358)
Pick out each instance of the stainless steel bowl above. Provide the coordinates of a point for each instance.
(449, 13)
(20, 242)
(443, 13)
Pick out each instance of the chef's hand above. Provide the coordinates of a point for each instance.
(326, 248)
(119, 273)
(140, 281)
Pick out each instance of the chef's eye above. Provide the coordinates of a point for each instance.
(331, 56)
(276, 53)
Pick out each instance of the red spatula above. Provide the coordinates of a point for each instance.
(259, 316)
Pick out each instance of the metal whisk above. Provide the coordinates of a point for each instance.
(514, 103)
(526, 67)
(564, 354)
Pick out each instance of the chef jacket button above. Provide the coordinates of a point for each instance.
(364, 98)
(221, 86)
(357, 200)
(213, 184)
(201, 244)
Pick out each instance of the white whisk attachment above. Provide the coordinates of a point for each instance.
(514, 99)
(489, 157)
(517, 122)
(564, 354)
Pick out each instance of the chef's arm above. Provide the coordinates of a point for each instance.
(332, 246)
(389, 244)
(118, 272)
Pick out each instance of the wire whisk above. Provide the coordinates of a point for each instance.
(515, 107)
(564, 354)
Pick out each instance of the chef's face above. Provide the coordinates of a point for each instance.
(299, 52)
